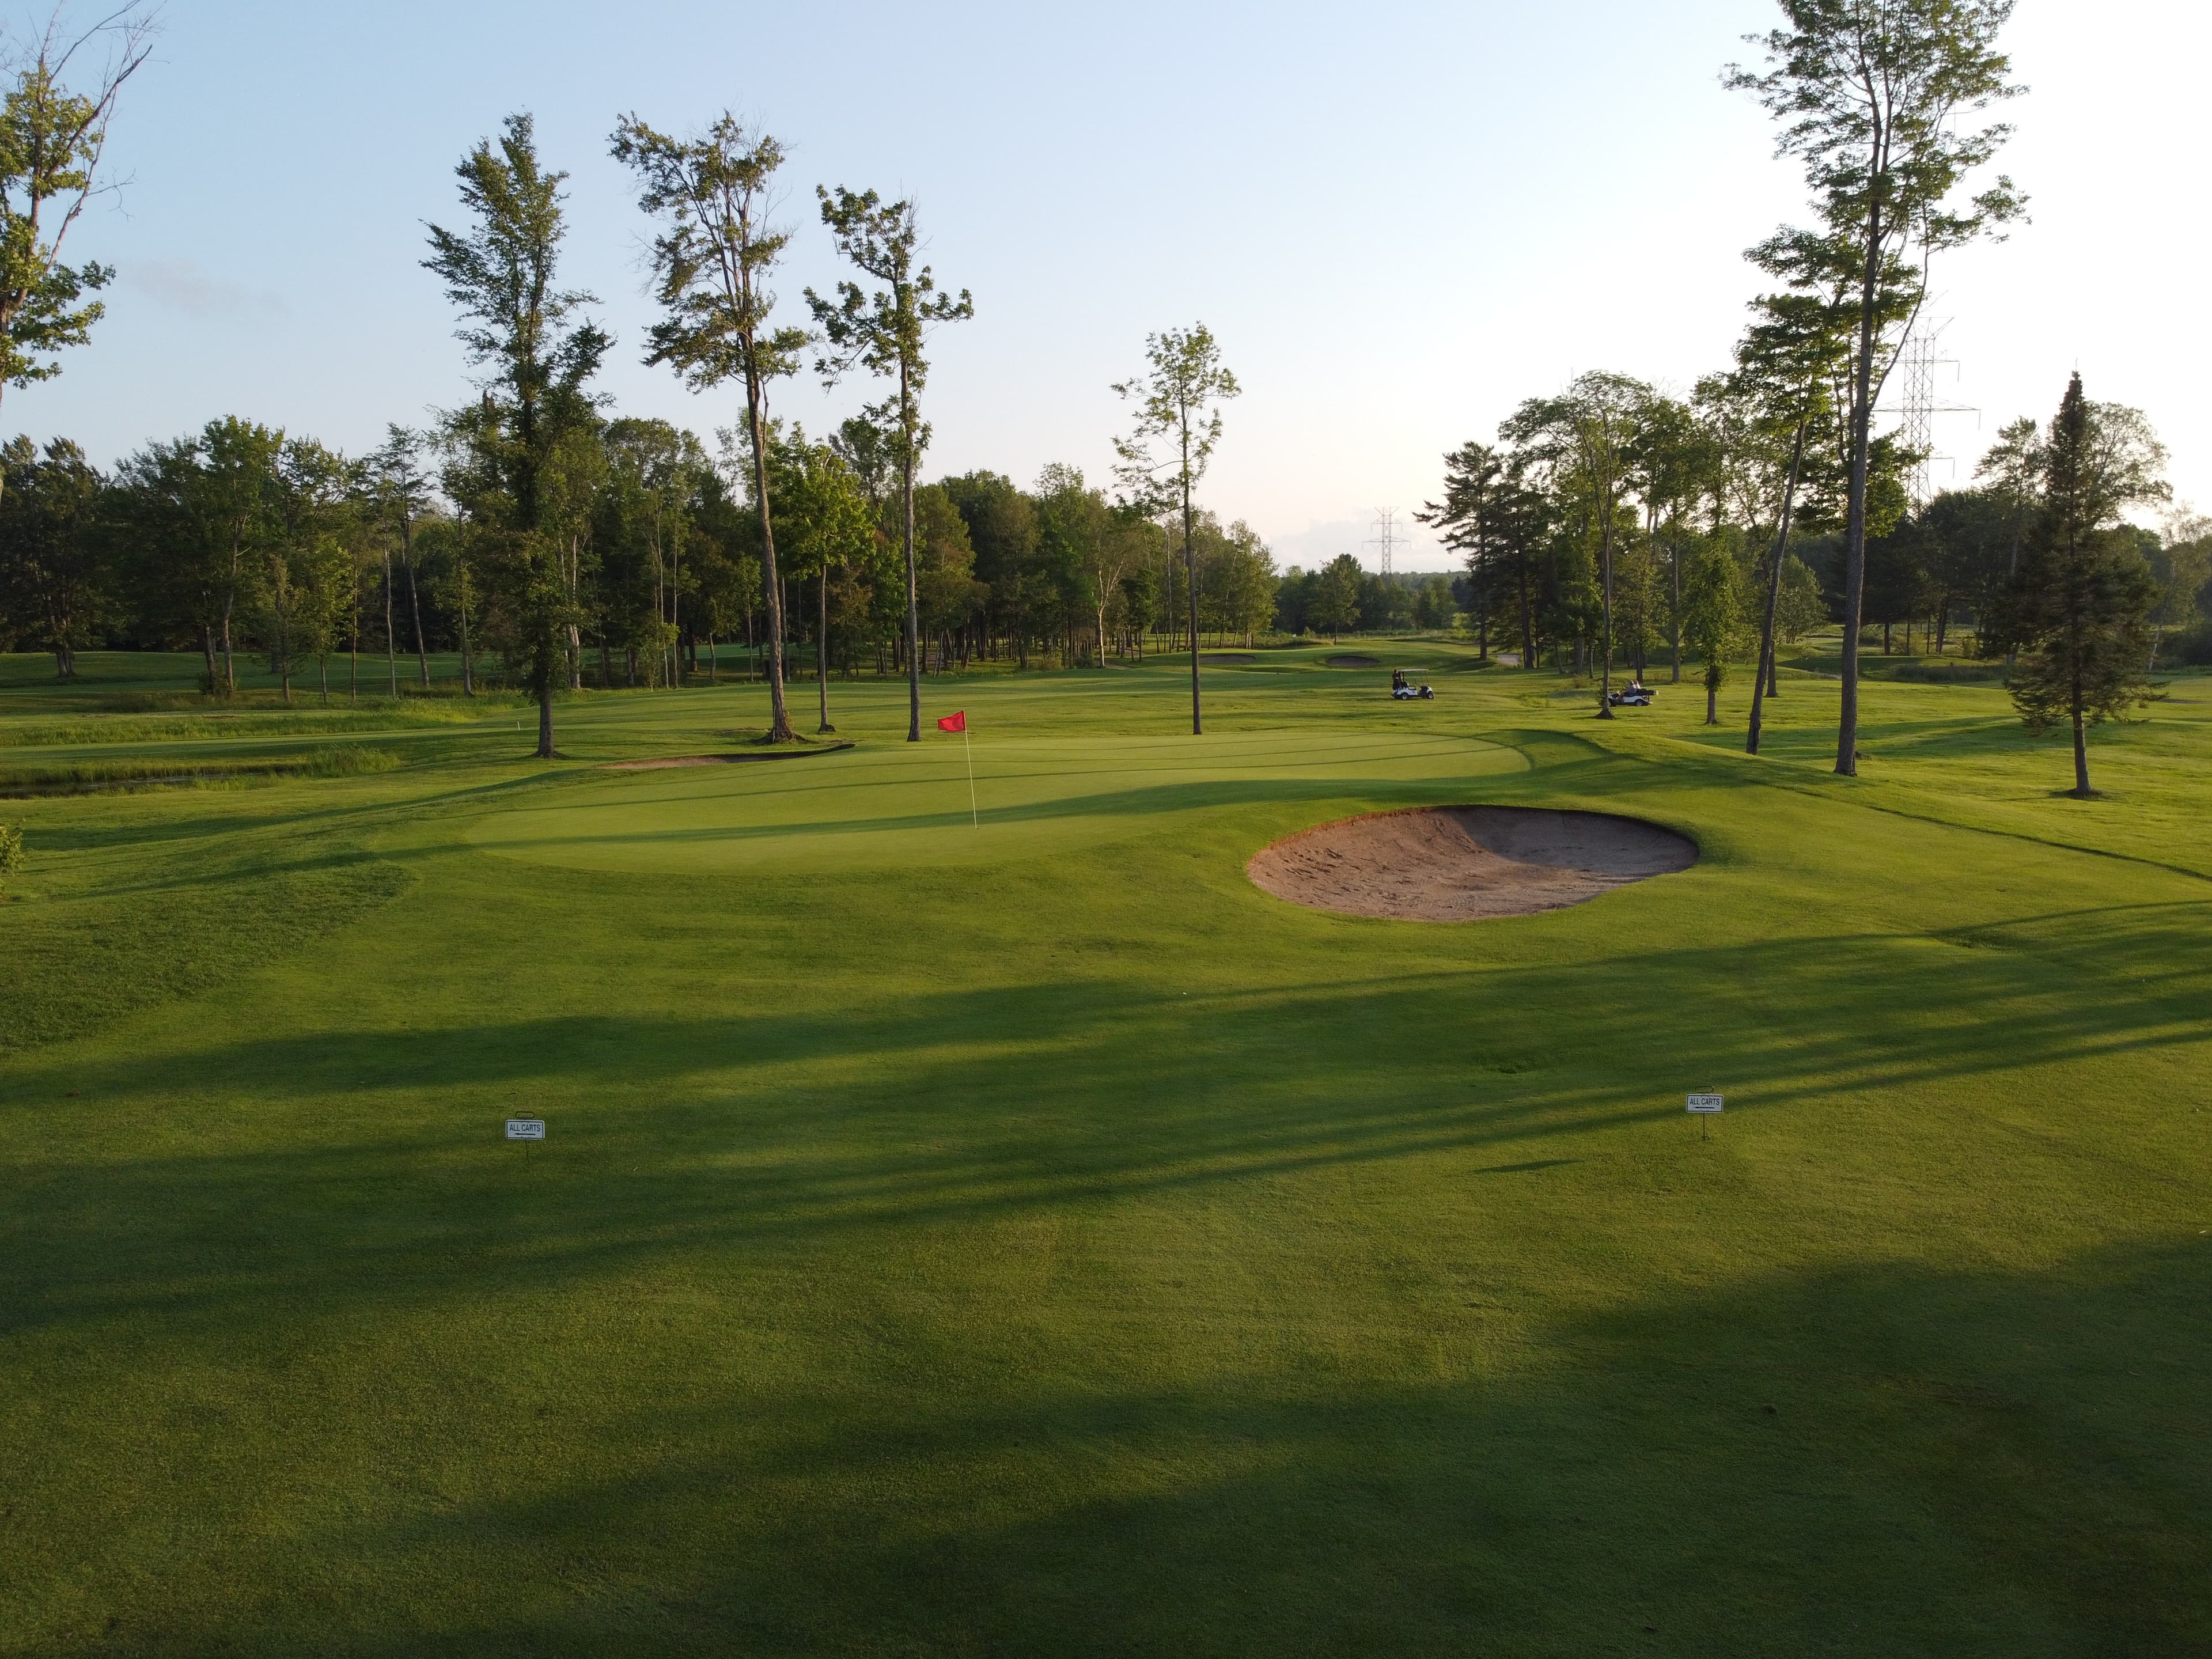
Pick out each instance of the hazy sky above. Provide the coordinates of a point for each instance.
(1399, 219)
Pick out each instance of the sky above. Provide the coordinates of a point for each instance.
(1398, 220)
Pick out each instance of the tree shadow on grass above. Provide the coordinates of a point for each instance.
(1868, 1459)
(372, 1166)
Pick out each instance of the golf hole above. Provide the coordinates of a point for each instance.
(1465, 863)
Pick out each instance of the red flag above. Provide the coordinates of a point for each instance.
(954, 722)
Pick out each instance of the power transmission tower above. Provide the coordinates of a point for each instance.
(1918, 406)
(1386, 538)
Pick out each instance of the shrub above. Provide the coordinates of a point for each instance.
(11, 853)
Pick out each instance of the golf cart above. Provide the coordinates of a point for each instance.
(1634, 695)
(1402, 690)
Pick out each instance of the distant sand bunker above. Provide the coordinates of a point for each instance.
(1465, 863)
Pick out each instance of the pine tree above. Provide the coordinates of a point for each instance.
(2080, 612)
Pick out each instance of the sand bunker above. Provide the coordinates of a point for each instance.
(1350, 660)
(1464, 863)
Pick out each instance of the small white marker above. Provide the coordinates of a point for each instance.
(526, 1128)
(1704, 1106)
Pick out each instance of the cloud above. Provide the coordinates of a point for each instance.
(181, 285)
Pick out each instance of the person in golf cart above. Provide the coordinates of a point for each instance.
(1403, 690)
(1634, 695)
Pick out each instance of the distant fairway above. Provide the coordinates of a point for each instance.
(1035, 1238)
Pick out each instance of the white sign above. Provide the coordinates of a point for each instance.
(1698, 1103)
(526, 1128)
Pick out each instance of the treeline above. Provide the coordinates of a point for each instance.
(1673, 485)
(241, 538)
(1616, 522)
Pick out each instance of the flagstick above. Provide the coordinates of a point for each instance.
(974, 820)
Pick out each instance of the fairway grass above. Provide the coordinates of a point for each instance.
(1026, 1236)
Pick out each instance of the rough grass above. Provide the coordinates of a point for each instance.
(1030, 1238)
(86, 776)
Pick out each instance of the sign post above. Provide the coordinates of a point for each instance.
(525, 1130)
(1704, 1106)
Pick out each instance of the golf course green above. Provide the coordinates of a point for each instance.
(1017, 1233)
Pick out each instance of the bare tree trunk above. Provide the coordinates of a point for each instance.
(1760, 680)
(1847, 726)
(1605, 570)
(913, 600)
(414, 600)
(468, 672)
(1190, 578)
(2081, 789)
(779, 725)
(1675, 618)
(391, 646)
(821, 650)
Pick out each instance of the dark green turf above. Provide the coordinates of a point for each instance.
(1031, 1238)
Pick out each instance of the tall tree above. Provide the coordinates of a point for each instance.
(305, 569)
(1875, 96)
(52, 141)
(230, 493)
(884, 332)
(1491, 516)
(829, 525)
(2080, 612)
(1336, 605)
(1781, 389)
(400, 493)
(502, 276)
(1713, 616)
(1582, 438)
(57, 575)
(1178, 399)
(711, 262)
(1673, 457)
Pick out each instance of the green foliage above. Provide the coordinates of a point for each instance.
(1434, 607)
(1177, 401)
(1713, 624)
(884, 332)
(1335, 605)
(711, 262)
(1801, 607)
(1883, 103)
(2080, 611)
(51, 140)
(11, 854)
(61, 583)
(521, 461)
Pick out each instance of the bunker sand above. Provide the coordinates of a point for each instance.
(1465, 863)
